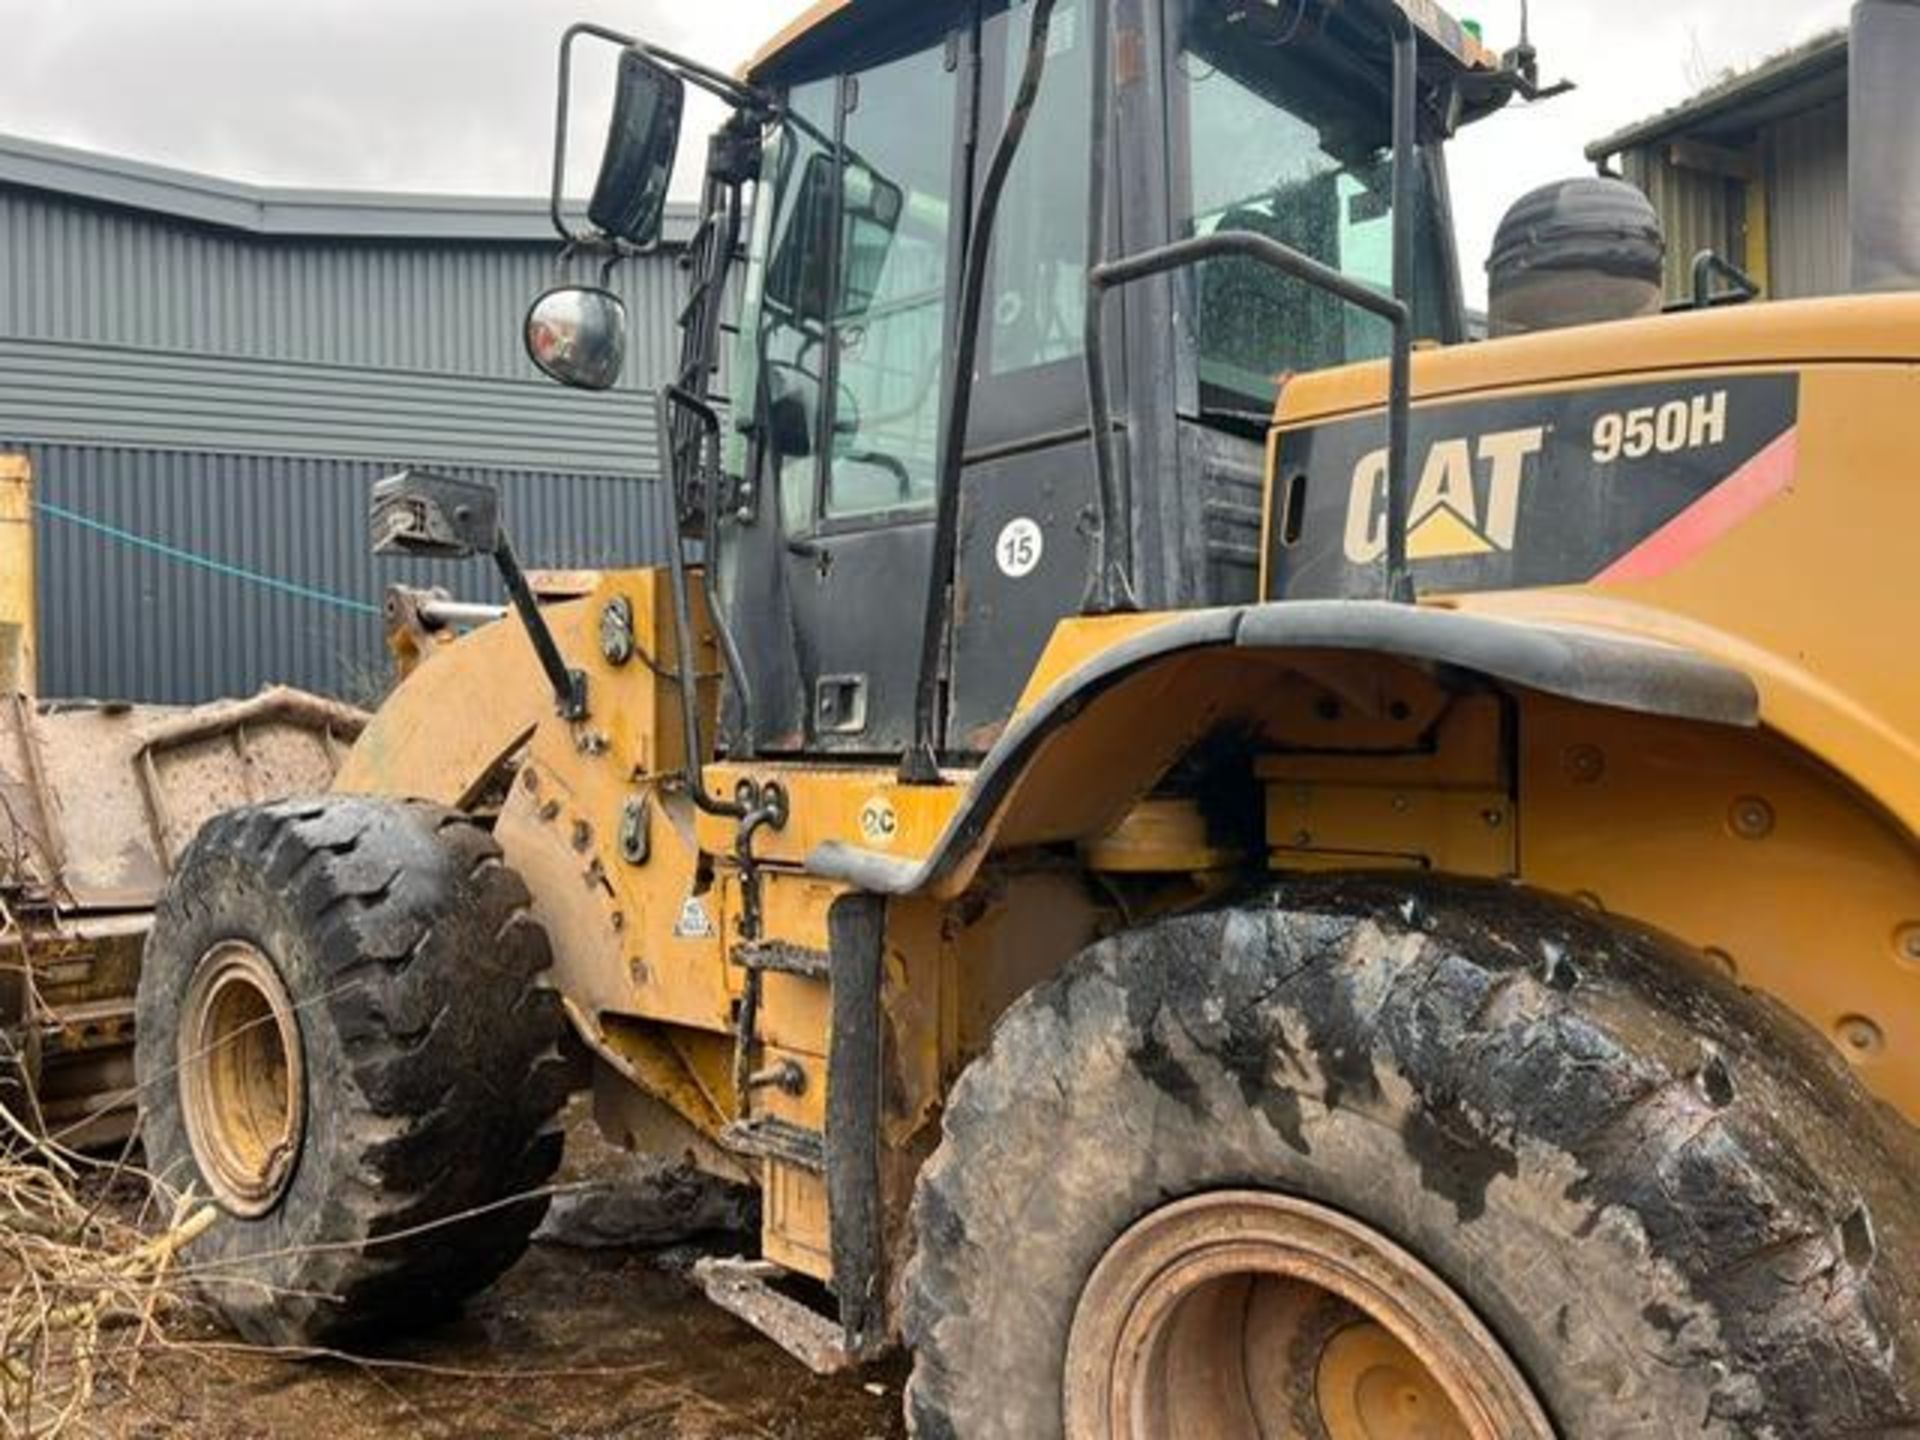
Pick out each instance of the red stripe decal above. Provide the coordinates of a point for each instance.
(1712, 515)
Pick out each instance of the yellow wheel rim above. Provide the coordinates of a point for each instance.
(1246, 1316)
(242, 1077)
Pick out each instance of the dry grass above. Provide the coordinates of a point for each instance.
(85, 1279)
(83, 1288)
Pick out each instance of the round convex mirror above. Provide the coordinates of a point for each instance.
(578, 335)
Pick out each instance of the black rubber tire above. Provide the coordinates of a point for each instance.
(1671, 1201)
(430, 1041)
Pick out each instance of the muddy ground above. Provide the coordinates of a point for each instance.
(572, 1342)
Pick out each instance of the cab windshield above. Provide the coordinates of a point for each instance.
(854, 272)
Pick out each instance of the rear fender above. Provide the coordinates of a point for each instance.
(1132, 706)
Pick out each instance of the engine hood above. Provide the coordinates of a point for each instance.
(1764, 336)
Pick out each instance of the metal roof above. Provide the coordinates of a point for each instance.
(1788, 83)
(826, 22)
(279, 211)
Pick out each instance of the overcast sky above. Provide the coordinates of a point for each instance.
(457, 95)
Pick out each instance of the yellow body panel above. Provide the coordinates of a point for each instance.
(863, 805)
(18, 622)
(1800, 596)
(790, 34)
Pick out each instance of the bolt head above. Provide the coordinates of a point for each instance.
(1751, 818)
(1584, 764)
(1860, 1038)
(1906, 942)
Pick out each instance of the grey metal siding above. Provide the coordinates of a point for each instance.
(225, 370)
(122, 621)
(74, 270)
(99, 395)
(1700, 212)
(1807, 171)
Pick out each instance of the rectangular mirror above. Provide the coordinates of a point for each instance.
(796, 278)
(630, 197)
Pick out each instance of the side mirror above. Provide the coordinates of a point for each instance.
(419, 513)
(797, 275)
(630, 198)
(577, 334)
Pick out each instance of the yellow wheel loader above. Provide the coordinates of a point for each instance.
(1230, 863)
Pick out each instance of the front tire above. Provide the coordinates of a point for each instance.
(1668, 1205)
(345, 1041)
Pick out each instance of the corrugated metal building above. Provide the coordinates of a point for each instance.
(208, 376)
(1755, 169)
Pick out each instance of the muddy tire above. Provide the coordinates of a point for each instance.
(1671, 1203)
(344, 1038)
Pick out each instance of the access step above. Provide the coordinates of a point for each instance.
(743, 1288)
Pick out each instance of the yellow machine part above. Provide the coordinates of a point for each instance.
(18, 627)
(1785, 853)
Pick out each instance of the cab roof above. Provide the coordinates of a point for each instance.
(828, 23)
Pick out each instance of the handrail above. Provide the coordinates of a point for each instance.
(920, 764)
(1110, 585)
(692, 773)
(1708, 266)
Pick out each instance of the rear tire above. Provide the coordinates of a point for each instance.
(344, 1038)
(1670, 1203)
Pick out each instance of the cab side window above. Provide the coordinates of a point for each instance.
(888, 336)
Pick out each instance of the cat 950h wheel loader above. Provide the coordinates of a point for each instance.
(1386, 909)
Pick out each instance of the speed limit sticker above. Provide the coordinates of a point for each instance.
(1018, 550)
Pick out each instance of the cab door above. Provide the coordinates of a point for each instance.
(1022, 553)
(869, 376)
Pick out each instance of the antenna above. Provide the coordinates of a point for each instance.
(1522, 64)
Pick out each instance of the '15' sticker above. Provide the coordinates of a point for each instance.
(1019, 548)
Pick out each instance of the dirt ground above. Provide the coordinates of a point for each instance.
(572, 1342)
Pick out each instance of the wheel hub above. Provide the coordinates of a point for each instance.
(242, 1077)
(1371, 1387)
(1245, 1316)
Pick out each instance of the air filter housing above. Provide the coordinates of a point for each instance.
(1576, 252)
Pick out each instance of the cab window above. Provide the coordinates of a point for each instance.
(889, 331)
(1276, 146)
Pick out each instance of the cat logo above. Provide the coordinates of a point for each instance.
(1467, 502)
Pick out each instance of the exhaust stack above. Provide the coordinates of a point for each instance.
(1883, 160)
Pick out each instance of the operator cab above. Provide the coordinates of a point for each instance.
(879, 126)
(1244, 116)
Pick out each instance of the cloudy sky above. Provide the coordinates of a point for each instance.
(457, 95)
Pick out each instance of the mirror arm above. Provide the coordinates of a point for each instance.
(569, 686)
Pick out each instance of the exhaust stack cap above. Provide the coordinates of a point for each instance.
(1883, 161)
